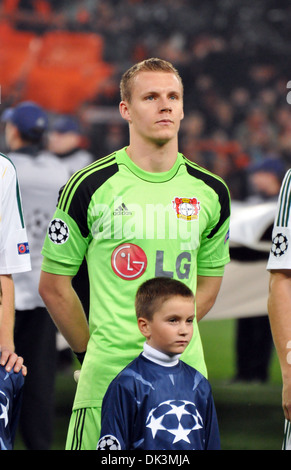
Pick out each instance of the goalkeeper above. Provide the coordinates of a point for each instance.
(144, 211)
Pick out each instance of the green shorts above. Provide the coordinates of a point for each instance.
(84, 429)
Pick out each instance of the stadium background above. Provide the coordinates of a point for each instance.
(233, 56)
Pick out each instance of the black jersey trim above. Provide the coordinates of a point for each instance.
(78, 177)
(78, 429)
(218, 186)
(77, 194)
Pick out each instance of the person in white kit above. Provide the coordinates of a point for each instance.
(65, 140)
(41, 176)
(279, 300)
(14, 258)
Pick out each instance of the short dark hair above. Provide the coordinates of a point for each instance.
(148, 65)
(154, 292)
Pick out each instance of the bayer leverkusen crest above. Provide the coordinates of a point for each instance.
(186, 208)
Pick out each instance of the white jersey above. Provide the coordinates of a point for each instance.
(280, 253)
(41, 175)
(14, 249)
(76, 160)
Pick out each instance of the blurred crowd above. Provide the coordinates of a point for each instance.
(231, 54)
(233, 58)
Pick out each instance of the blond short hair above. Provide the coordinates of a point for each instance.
(147, 65)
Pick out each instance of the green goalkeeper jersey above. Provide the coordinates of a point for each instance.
(132, 225)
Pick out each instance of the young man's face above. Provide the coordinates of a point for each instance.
(60, 142)
(171, 328)
(156, 107)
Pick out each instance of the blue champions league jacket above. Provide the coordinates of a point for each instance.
(159, 403)
(11, 388)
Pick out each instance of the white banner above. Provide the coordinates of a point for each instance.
(244, 289)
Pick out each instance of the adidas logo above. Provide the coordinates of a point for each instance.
(122, 210)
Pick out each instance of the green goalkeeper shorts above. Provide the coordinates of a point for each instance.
(84, 429)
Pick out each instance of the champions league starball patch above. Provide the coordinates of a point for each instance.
(178, 418)
(279, 245)
(108, 442)
(58, 231)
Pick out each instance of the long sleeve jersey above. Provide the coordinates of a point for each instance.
(157, 405)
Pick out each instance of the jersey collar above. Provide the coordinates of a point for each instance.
(158, 357)
(123, 158)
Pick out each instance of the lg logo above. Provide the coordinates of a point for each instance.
(129, 262)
